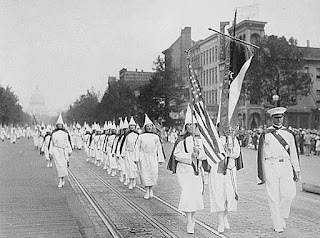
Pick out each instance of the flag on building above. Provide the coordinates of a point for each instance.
(208, 132)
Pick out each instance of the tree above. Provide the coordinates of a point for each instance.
(117, 101)
(10, 110)
(276, 69)
(83, 109)
(164, 93)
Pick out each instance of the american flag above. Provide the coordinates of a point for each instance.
(157, 126)
(208, 132)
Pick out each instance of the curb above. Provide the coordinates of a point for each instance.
(311, 188)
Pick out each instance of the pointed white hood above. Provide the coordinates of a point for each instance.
(132, 122)
(60, 121)
(147, 120)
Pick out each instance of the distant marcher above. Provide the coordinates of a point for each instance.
(255, 138)
(317, 144)
(307, 143)
(301, 141)
(45, 147)
(129, 146)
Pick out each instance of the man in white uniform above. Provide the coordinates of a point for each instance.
(278, 167)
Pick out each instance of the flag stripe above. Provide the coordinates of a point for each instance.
(204, 129)
(209, 136)
(213, 133)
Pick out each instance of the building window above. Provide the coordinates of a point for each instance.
(318, 73)
(216, 96)
(201, 78)
(216, 74)
(318, 92)
(216, 53)
(210, 55)
(205, 97)
(213, 59)
(306, 69)
(212, 96)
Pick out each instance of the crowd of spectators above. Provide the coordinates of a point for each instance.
(308, 140)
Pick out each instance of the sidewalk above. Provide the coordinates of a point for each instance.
(31, 203)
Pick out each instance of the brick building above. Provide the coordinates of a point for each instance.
(135, 79)
(177, 55)
(208, 60)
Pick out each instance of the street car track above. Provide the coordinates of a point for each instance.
(101, 213)
(200, 223)
(164, 230)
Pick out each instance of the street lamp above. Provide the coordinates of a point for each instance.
(276, 98)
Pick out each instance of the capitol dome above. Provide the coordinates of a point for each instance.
(37, 105)
(37, 100)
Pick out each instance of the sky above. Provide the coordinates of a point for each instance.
(68, 47)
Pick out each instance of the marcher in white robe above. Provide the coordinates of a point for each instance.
(129, 145)
(2, 133)
(115, 166)
(188, 161)
(24, 131)
(112, 166)
(19, 132)
(86, 142)
(105, 145)
(148, 154)
(120, 152)
(42, 135)
(28, 132)
(60, 150)
(13, 136)
(78, 143)
(36, 135)
(223, 182)
(97, 147)
(45, 148)
(92, 144)
(102, 142)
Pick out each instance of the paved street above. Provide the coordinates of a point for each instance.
(31, 205)
(22, 180)
(253, 218)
